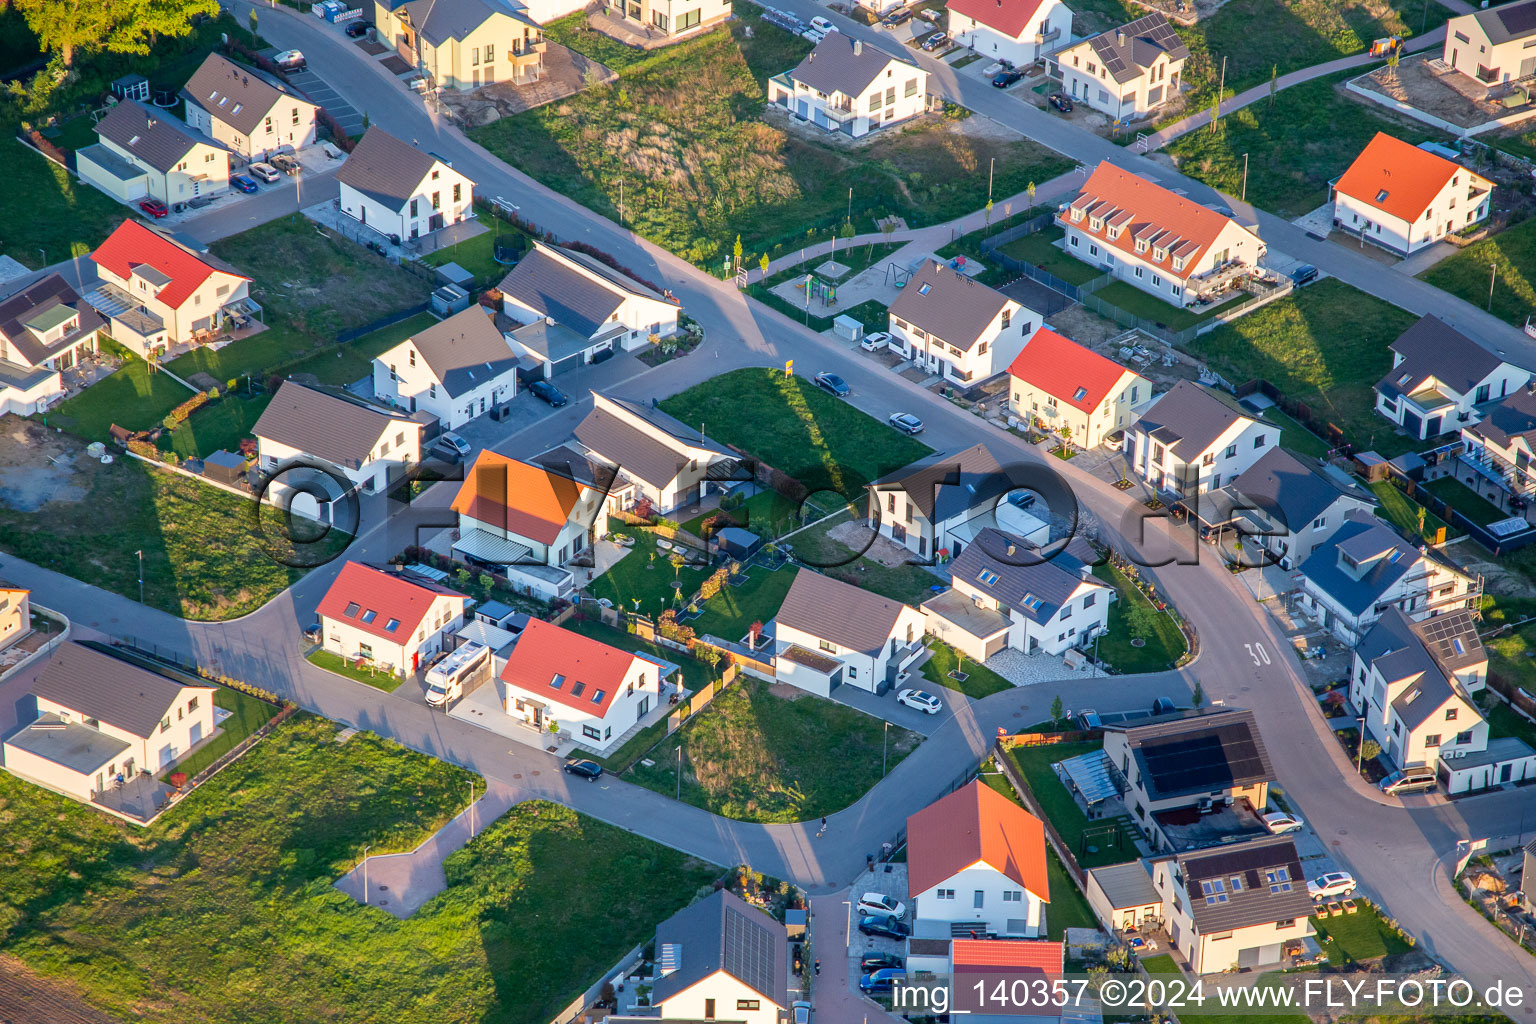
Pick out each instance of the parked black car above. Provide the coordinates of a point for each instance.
(357, 29)
(1061, 101)
(1003, 79)
(890, 927)
(1304, 274)
(898, 18)
(589, 770)
(545, 391)
(877, 961)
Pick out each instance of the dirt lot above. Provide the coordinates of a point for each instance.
(566, 73)
(1454, 97)
(1089, 329)
(36, 466)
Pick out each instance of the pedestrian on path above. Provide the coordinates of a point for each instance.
(818, 968)
(823, 828)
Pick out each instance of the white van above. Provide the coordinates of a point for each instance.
(445, 680)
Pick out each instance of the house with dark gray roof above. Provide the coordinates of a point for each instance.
(1128, 72)
(46, 325)
(455, 370)
(655, 456)
(1007, 592)
(568, 309)
(401, 191)
(1493, 46)
(935, 506)
(848, 86)
(1365, 568)
(721, 959)
(1193, 440)
(248, 110)
(371, 445)
(1235, 906)
(1500, 453)
(1441, 379)
(145, 151)
(829, 632)
(465, 44)
(953, 325)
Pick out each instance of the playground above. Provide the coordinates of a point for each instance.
(835, 286)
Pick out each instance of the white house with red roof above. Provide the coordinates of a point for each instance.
(158, 293)
(594, 693)
(1067, 386)
(1155, 239)
(393, 620)
(1017, 30)
(1036, 962)
(1403, 198)
(976, 864)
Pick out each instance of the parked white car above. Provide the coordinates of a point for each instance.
(1279, 822)
(875, 342)
(1334, 883)
(880, 905)
(266, 172)
(922, 701)
(821, 25)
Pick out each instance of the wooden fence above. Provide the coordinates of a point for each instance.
(1016, 778)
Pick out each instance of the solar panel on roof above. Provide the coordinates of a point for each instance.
(1208, 760)
(1517, 19)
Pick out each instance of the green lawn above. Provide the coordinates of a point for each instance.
(1469, 272)
(734, 609)
(1362, 935)
(1466, 501)
(125, 915)
(684, 128)
(1133, 617)
(353, 360)
(1062, 809)
(797, 428)
(638, 576)
(872, 314)
(1039, 248)
(907, 583)
(476, 255)
(135, 397)
(1326, 346)
(332, 662)
(754, 756)
(1126, 296)
(980, 680)
(572, 32)
(1502, 721)
(247, 715)
(44, 208)
(1403, 512)
(218, 426)
(1294, 436)
(767, 514)
(1163, 963)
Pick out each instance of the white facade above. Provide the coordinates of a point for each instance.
(1472, 51)
(442, 197)
(1212, 953)
(1428, 587)
(1463, 201)
(1238, 447)
(202, 171)
(1506, 760)
(1435, 407)
(201, 309)
(1117, 411)
(859, 669)
(186, 721)
(397, 448)
(1152, 268)
(444, 617)
(403, 377)
(1452, 727)
(966, 361)
(1086, 80)
(24, 393)
(1084, 614)
(289, 122)
(721, 997)
(1048, 28)
(633, 699)
(979, 894)
(895, 93)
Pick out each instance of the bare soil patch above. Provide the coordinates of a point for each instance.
(1452, 97)
(566, 73)
(857, 535)
(37, 466)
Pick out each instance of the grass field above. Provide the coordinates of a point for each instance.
(247, 714)
(797, 428)
(48, 215)
(1469, 272)
(1362, 935)
(638, 576)
(1466, 501)
(1059, 806)
(1038, 248)
(754, 756)
(1326, 346)
(218, 426)
(1126, 296)
(980, 680)
(353, 360)
(729, 614)
(332, 662)
(907, 583)
(1133, 617)
(1403, 512)
(1293, 435)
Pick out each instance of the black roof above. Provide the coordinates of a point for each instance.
(1199, 753)
(111, 690)
(1433, 348)
(722, 932)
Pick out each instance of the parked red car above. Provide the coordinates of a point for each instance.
(154, 207)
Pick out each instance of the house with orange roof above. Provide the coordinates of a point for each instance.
(1157, 240)
(1020, 31)
(394, 620)
(976, 864)
(591, 692)
(1066, 386)
(526, 520)
(1403, 198)
(15, 614)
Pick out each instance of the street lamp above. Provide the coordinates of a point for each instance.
(1245, 177)
(471, 808)
(365, 874)
(848, 925)
(885, 746)
(1493, 276)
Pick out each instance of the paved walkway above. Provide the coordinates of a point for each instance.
(834, 993)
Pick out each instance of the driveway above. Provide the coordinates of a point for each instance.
(311, 84)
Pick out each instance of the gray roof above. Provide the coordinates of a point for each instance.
(554, 342)
(1426, 653)
(1254, 903)
(1511, 417)
(385, 169)
(237, 95)
(465, 350)
(109, 161)
(847, 615)
(569, 461)
(1198, 753)
(1287, 489)
(22, 378)
(845, 65)
(1188, 419)
(151, 135)
(441, 20)
(1362, 537)
(1511, 21)
(109, 689)
(1126, 885)
(1424, 698)
(1504, 748)
(722, 932)
(48, 297)
(948, 305)
(980, 481)
(1433, 348)
(608, 434)
(961, 611)
(1126, 52)
(339, 430)
(81, 749)
(550, 281)
(1019, 578)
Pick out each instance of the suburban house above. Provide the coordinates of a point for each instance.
(1365, 568)
(1157, 240)
(1005, 593)
(46, 326)
(15, 614)
(1501, 447)
(526, 520)
(1193, 778)
(656, 456)
(674, 18)
(829, 632)
(1128, 72)
(400, 191)
(371, 446)
(144, 151)
(246, 110)
(721, 959)
(938, 504)
(1191, 441)
(1493, 46)
(455, 369)
(1404, 198)
(157, 292)
(393, 620)
(1123, 897)
(846, 85)
(24, 391)
(976, 867)
(957, 327)
(572, 309)
(464, 44)
(1067, 387)
(1413, 682)
(1234, 906)
(1034, 962)
(1285, 504)
(1440, 377)
(594, 693)
(100, 718)
(1504, 760)
(1021, 31)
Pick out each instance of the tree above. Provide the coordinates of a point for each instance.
(1029, 190)
(1197, 698)
(115, 26)
(1058, 710)
(764, 264)
(254, 20)
(366, 122)
(678, 561)
(1066, 435)
(736, 254)
(1422, 511)
(1370, 750)
(1274, 83)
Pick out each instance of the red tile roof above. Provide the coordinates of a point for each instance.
(370, 599)
(589, 671)
(133, 244)
(519, 497)
(1061, 367)
(1396, 178)
(1027, 953)
(973, 825)
(1010, 17)
(1144, 210)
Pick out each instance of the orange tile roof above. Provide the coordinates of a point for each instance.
(1029, 953)
(974, 825)
(518, 497)
(370, 599)
(1060, 366)
(1144, 210)
(1010, 17)
(1396, 178)
(590, 672)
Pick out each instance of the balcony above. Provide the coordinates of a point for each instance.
(1041, 38)
(1515, 479)
(1218, 280)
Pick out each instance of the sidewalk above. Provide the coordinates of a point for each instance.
(834, 994)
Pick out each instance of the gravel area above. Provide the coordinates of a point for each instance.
(1022, 669)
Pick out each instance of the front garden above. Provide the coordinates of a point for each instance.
(1141, 637)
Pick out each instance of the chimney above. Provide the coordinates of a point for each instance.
(858, 47)
(1010, 547)
(1120, 36)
